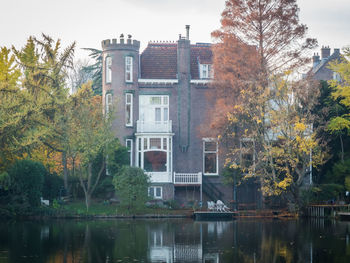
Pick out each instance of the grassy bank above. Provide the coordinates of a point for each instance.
(77, 209)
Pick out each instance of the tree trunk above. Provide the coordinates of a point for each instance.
(87, 200)
(342, 148)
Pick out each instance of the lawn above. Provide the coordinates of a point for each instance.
(107, 209)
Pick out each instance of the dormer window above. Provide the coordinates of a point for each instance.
(108, 69)
(205, 71)
(128, 69)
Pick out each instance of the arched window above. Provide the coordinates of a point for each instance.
(108, 69)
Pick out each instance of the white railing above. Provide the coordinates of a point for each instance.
(160, 177)
(187, 178)
(188, 253)
(153, 126)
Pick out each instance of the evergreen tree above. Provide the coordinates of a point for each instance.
(95, 70)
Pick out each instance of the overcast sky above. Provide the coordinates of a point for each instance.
(89, 21)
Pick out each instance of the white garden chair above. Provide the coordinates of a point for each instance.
(221, 207)
(211, 205)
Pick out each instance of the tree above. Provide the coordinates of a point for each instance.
(260, 44)
(341, 124)
(272, 27)
(10, 101)
(27, 178)
(341, 92)
(78, 75)
(289, 146)
(43, 114)
(89, 137)
(95, 70)
(131, 184)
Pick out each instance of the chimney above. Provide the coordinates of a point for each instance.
(325, 52)
(188, 32)
(316, 59)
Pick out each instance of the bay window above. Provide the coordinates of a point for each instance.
(154, 153)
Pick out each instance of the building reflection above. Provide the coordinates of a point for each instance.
(186, 242)
(250, 241)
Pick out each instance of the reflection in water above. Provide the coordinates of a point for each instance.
(175, 241)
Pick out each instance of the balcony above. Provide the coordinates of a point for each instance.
(187, 178)
(153, 126)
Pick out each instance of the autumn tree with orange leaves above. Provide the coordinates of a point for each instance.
(260, 45)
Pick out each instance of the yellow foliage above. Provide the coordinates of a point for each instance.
(300, 127)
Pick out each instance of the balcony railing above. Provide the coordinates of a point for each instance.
(154, 126)
(187, 178)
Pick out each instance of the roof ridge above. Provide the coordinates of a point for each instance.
(154, 42)
(325, 61)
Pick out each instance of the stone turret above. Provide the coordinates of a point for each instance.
(120, 80)
(113, 44)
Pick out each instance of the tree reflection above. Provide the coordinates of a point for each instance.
(175, 241)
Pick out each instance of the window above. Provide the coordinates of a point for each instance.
(205, 71)
(128, 69)
(154, 154)
(210, 156)
(128, 109)
(108, 69)
(108, 102)
(128, 144)
(154, 109)
(155, 192)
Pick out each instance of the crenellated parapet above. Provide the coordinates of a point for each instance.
(120, 44)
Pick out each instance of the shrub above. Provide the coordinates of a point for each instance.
(27, 178)
(4, 181)
(131, 184)
(52, 185)
(323, 193)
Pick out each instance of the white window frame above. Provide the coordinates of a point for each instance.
(129, 68)
(155, 192)
(143, 145)
(205, 71)
(206, 140)
(130, 149)
(129, 103)
(109, 102)
(108, 68)
(163, 106)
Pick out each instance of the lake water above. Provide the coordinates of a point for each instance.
(180, 240)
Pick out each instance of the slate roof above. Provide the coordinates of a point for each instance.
(324, 62)
(159, 60)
